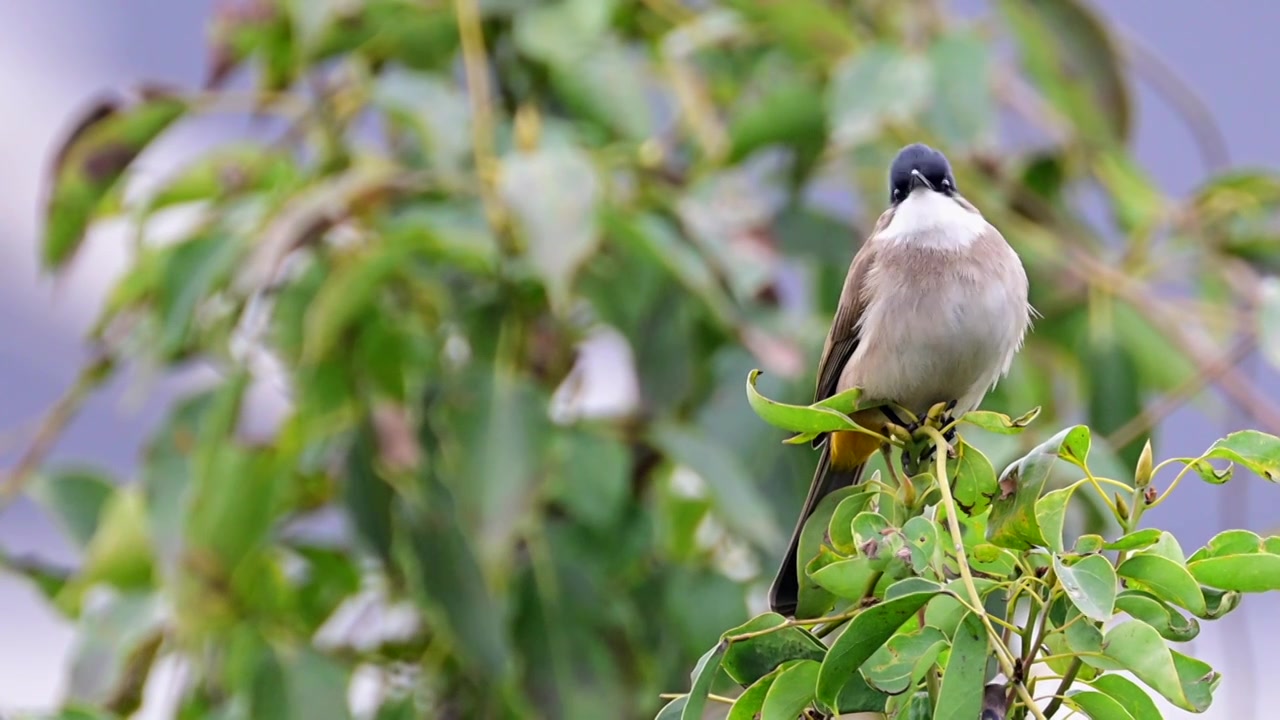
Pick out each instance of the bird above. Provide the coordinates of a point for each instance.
(933, 310)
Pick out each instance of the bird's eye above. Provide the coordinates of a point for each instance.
(897, 193)
(946, 183)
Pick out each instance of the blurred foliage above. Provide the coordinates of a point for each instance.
(509, 262)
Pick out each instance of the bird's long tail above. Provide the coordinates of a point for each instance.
(784, 594)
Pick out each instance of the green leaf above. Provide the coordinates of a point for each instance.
(792, 692)
(449, 581)
(999, 422)
(75, 498)
(1138, 206)
(862, 637)
(1051, 515)
(1228, 543)
(1255, 450)
(747, 661)
(91, 161)
(1097, 706)
(1071, 57)
(1114, 386)
(960, 107)
(811, 29)
(811, 554)
(750, 703)
(892, 667)
(858, 697)
(1186, 682)
(1135, 700)
(1171, 624)
(347, 295)
(1088, 544)
(738, 501)
(552, 194)
(840, 529)
(1090, 584)
(849, 579)
(922, 538)
(1165, 579)
(594, 481)
(945, 612)
(120, 552)
(116, 644)
(673, 710)
(367, 496)
(973, 480)
(960, 697)
(703, 675)
(1013, 523)
(818, 418)
(1241, 573)
(1219, 602)
(880, 85)
(1136, 540)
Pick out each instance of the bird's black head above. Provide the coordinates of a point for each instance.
(919, 166)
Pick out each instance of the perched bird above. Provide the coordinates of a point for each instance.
(933, 309)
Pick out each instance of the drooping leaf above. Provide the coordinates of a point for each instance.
(1186, 682)
(1253, 449)
(1135, 700)
(91, 161)
(862, 637)
(1171, 624)
(1098, 706)
(960, 696)
(825, 416)
(1164, 578)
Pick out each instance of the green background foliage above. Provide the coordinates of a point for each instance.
(485, 214)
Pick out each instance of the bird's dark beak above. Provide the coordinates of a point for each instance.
(918, 180)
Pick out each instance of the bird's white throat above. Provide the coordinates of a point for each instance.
(931, 218)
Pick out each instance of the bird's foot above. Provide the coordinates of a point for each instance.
(938, 417)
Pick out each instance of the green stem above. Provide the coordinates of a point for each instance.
(1063, 686)
(1003, 654)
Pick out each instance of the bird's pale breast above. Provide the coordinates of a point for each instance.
(941, 323)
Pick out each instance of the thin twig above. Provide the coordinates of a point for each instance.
(1147, 420)
(476, 67)
(1199, 118)
(52, 426)
(1003, 654)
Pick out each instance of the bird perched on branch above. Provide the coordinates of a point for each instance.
(933, 310)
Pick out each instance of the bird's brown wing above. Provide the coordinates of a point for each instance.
(844, 335)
